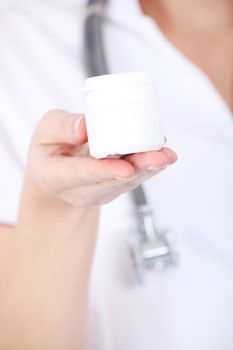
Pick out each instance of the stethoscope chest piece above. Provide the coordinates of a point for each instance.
(150, 250)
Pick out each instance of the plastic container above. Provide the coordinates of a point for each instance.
(122, 115)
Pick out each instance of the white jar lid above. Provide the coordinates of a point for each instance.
(117, 80)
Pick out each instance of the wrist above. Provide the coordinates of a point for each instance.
(43, 211)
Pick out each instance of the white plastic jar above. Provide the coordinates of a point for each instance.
(122, 115)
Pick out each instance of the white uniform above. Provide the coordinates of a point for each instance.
(190, 307)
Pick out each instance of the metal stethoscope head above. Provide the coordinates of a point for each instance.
(151, 250)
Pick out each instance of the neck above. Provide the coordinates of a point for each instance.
(200, 15)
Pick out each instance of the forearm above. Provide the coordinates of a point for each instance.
(45, 281)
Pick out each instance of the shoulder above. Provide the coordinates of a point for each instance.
(51, 18)
(41, 69)
(41, 58)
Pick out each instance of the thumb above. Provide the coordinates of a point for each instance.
(60, 127)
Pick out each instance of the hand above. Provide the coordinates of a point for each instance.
(60, 165)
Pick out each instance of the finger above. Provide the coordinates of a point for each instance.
(151, 160)
(90, 170)
(67, 172)
(60, 127)
(99, 193)
(139, 177)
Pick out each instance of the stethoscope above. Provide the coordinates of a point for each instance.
(150, 250)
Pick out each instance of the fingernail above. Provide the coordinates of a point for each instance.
(124, 179)
(154, 168)
(76, 124)
(127, 179)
